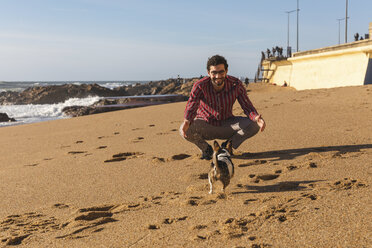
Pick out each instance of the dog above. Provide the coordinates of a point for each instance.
(222, 166)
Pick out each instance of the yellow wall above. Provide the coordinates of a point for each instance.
(343, 65)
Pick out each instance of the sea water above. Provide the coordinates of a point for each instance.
(32, 113)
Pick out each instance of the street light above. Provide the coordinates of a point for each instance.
(298, 10)
(288, 12)
(339, 20)
(346, 17)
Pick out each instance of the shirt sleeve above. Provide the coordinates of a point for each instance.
(245, 103)
(193, 102)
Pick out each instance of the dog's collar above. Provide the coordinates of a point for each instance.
(224, 154)
(225, 157)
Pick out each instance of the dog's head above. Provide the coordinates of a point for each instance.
(219, 150)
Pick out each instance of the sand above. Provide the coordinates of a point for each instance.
(127, 178)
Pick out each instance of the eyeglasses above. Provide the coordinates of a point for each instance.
(214, 73)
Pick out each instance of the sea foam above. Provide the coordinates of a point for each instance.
(31, 113)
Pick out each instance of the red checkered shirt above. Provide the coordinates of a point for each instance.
(212, 106)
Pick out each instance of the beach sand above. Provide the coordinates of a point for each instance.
(127, 178)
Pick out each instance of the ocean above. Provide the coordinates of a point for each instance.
(32, 113)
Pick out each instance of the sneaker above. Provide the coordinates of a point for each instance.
(207, 154)
(229, 149)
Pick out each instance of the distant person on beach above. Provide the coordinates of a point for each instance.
(208, 114)
(246, 81)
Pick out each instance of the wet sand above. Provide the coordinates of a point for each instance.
(127, 178)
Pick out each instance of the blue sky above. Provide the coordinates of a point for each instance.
(57, 40)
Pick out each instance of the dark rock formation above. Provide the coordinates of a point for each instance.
(53, 94)
(60, 93)
(159, 92)
(113, 104)
(5, 118)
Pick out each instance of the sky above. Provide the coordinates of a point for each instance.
(98, 40)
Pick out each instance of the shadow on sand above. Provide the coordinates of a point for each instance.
(293, 153)
(278, 187)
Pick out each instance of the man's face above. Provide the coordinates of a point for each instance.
(218, 75)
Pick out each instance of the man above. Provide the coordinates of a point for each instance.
(208, 114)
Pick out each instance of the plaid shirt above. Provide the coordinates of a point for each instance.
(212, 106)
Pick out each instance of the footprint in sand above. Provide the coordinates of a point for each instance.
(15, 228)
(76, 152)
(267, 177)
(345, 154)
(31, 165)
(193, 200)
(256, 162)
(174, 220)
(123, 156)
(102, 147)
(246, 202)
(60, 205)
(15, 240)
(153, 227)
(157, 160)
(346, 184)
(88, 219)
(161, 133)
(138, 139)
(310, 196)
(313, 165)
(199, 227)
(292, 167)
(151, 125)
(203, 176)
(79, 142)
(180, 156)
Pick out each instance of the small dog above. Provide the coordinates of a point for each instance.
(222, 166)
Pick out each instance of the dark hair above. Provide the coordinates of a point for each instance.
(216, 60)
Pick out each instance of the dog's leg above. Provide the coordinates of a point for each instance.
(210, 185)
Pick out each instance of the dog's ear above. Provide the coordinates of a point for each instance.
(216, 146)
(229, 146)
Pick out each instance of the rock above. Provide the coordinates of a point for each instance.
(75, 111)
(176, 90)
(5, 118)
(60, 93)
(55, 94)
(107, 105)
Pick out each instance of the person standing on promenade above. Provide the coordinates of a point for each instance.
(208, 114)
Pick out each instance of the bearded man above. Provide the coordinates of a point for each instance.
(208, 114)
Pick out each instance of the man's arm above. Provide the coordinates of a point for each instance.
(260, 122)
(185, 127)
(248, 107)
(191, 107)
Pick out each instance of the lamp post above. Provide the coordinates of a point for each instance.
(346, 17)
(288, 12)
(339, 29)
(298, 10)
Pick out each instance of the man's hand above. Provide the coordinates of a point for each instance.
(260, 122)
(185, 127)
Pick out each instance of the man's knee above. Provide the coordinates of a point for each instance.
(252, 129)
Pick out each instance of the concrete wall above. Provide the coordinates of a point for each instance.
(343, 65)
(280, 70)
(368, 78)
